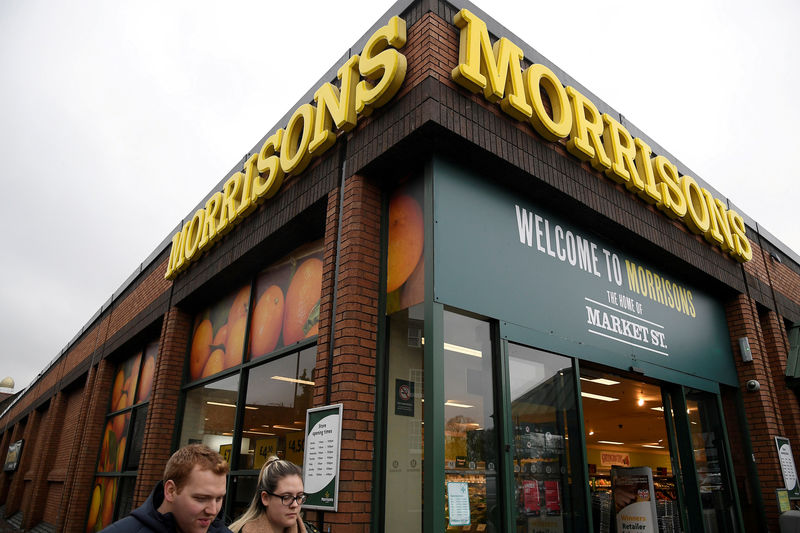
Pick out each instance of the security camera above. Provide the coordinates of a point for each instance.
(753, 385)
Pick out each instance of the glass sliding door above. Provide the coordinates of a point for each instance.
(471, 458)
(548, 474)
(710, 458)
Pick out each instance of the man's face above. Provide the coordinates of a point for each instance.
(197, 503)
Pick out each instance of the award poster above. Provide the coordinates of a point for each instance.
(633, 498)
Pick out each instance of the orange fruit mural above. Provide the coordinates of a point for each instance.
(267, 322)
(406, 238)
(201, 348)
(301, 313)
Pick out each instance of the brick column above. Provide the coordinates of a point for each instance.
(49, 433)
(352, 380)
(326, 300)
(162, 410)
(761, 407)
(5, 477)
(80, 478)
(27, 460)
(9, 477)
(776, 344)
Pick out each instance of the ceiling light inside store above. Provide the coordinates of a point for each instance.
(293, 380)
(284, 427)
(659, 409)
(640, 402)
(462, 349)
(231, 405)
(601, 381)
(599, 397)
(652, 446)
(611, 442)
(221, 404)
(259, 432)
(454, 404)
(591, 433)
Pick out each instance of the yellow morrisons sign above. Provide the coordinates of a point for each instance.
(495, 70)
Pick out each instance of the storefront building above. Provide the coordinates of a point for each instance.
(533, 318)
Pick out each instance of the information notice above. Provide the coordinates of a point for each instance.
(323, 442)
(787, 467)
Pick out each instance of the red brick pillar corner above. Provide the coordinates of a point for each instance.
(354, 354)
(162, 412)
(80, 478)
(48, 439)
(761, 407)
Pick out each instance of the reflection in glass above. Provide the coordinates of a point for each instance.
(470, 432)
(278, 394)
(543, 416)
(709, 459)
(209, 415)
(404, 422)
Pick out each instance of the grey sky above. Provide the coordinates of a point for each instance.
(116, 118)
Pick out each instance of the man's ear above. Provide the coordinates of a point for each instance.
(170, 489)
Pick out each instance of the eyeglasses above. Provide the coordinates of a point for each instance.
(287, 499)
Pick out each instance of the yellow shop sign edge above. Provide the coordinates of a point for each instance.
(367, 82)
(496, 71)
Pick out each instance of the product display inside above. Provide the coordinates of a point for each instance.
(628, 454)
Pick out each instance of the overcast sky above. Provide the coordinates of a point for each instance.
(118, 117)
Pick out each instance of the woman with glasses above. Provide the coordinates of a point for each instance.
(276, 504)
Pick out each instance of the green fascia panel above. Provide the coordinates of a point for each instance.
(510, 257)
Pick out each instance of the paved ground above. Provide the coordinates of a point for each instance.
(5, 527)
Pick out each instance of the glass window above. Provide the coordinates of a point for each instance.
(122, 439)
(470, 432)
(405, 292)
(278, 394)
(209, 415)
(544, 416)
(710, 459)
(286, 308)
(218, 335)
(404, 422)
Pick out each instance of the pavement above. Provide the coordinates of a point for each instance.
(5, 527)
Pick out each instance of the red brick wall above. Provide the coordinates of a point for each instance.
(762, 408)
(162, 411)
(352, 381)
(82, 476)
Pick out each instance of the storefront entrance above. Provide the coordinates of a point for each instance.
(656, 454)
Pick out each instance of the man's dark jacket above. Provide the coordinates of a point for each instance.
(146, 518)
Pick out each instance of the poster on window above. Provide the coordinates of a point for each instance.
(633, 495)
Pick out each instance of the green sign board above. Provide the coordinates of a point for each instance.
(507, 256)
(321, 457)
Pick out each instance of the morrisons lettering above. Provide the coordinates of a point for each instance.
(597, 138)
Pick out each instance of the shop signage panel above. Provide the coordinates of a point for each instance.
(13, 455)
(506, 255)
(787, 467)
(323, 443)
